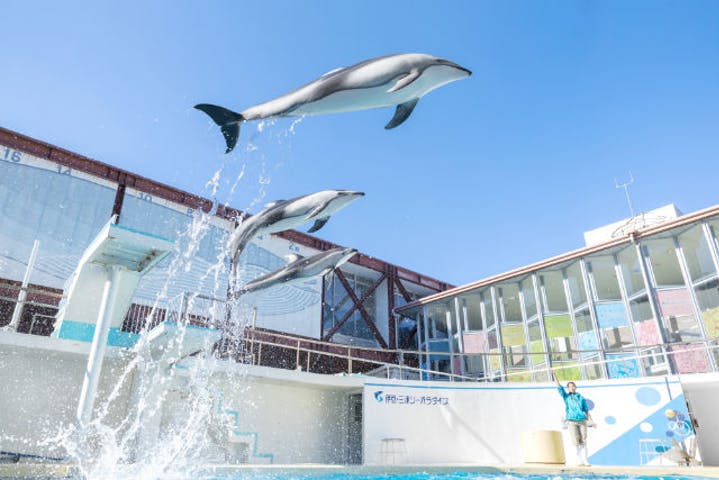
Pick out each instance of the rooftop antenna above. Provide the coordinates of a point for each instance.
(625, 186)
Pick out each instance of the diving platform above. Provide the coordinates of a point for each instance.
(104, 283)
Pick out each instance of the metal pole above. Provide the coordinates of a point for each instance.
(498, 320)
(450, 343)
(12, 326)
(428, 361)
(97, 349)
(460, 333)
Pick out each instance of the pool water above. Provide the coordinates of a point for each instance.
(449, 476)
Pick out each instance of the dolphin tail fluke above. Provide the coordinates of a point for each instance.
(228, 121)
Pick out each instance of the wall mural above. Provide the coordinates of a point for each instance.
(640, 421)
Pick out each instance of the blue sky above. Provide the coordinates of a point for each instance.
(490, 173)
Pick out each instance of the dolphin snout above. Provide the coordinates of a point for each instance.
(457, 66)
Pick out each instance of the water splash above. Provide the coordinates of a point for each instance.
(146, 439)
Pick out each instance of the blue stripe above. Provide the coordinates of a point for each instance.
(79, 331)
(130, 229)
(85, 332)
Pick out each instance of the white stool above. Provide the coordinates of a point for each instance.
(392, 451)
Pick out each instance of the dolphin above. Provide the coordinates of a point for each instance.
(301, 268)
(289, 214)
(393, 80)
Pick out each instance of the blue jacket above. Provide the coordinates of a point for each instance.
(575, 405)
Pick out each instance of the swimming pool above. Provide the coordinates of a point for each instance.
(458, 475)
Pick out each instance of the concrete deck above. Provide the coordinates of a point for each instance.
(68, 471)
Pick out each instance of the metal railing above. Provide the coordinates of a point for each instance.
(304, 349)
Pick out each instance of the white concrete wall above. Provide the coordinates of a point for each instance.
(40, 392)
(483, 423)
(296, 417)
(293, 423)
(702, 395)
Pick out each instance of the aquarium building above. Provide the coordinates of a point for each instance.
(640, 299)
(58, 201)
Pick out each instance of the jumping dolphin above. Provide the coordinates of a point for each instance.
(320, 264)
(393, 80)
(289, 214)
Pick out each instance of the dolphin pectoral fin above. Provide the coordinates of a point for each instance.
(404, 81)
(228, 121)
(404, 110)
(318, 224)
(317, 210)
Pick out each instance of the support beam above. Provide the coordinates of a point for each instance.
(450, 342)
(460, 338)
(97, 349)
(405, 294)
(17, 312)
(391, 319)
(358, 305)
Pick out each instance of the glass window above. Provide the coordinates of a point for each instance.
(536, 346)
(471, 308)
(487, 308)
(663, 262)
(495, 359)
(64, 212)
(514, 341)
(567, 371)
(530, 304)
(604, 277)
(552, 288)
(623, 366)
(586, 336)
(560, 337)
(631, 270)
(338, 305)
(654, 361)
(708, 301)
(645, 325)
(680, 325)
(576, 285)
(697, 254)
(613, 325)
(509, 299)
(593, 368)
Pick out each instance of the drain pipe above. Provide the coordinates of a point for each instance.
(12, 326)
(97, 350)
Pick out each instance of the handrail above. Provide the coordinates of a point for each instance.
(423, 372)
(611, 351)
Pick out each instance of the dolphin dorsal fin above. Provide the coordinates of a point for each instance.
(405, 80)
(293, 257)
(404, 110)
(273, 204)
(332, 72)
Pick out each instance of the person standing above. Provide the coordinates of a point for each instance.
(577, 416)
